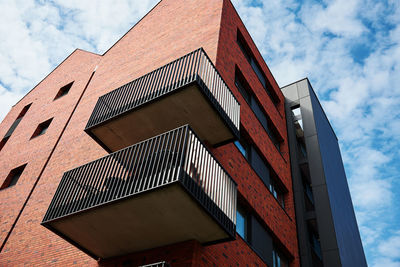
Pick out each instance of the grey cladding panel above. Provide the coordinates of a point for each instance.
(303, 88)
(290, 92)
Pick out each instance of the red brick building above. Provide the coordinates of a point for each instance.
(186, 62)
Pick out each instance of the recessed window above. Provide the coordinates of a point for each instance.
(42, 128)
(13, 176)
(24, 110)
(3, 142)
(261, 168)
(244, 148)
(256, 67)
(63, 90)
(277, 192)
(15, 124)
(245, 91)
(242, 223)
(279, 260)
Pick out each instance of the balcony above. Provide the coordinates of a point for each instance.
(158, 264)
(188, 90)
(161, 191)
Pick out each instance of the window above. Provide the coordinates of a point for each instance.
(278, 259)
(242, 222)
(277, 192)
(15, 124)
(245, 91)
(256, 67)
(23, 111)
(261, 168)
(42, 128)
(12, 177)
(63, 90)
(3, 142)
(244, 148)
(256, 234)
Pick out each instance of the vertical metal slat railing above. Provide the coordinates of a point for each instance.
(177, 155)
(195, 66)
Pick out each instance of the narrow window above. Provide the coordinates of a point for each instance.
(63, 90)
(24, 110)
(42, 128)
(16, 122)
(314, 238)
(13, 176)
(3, 142)
(256, 67)
(245, 91)
(242, 223)
(279, 260)
(277, 192)
(244, 148)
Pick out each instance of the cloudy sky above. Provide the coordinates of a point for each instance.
(349, 49)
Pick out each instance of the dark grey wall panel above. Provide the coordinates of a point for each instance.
(347, 234)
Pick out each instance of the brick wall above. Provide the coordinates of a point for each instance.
(172, 29)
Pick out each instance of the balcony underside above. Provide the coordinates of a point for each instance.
(153, 218)
(187, 105)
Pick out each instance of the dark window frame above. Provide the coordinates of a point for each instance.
(63, 90)
(248, 54)
(273, 177)
(3, 142)
(14, 125)
(13, 177)
(42, 128)
(245, 90)
(252, 219)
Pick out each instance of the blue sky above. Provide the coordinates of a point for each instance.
(349, 49)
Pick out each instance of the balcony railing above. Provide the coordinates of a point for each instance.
(194, 69)
(177, 157)
(158, 264)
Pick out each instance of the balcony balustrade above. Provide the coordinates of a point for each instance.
(160, 191)
(188, 90)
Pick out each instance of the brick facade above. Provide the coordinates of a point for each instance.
(172, 29)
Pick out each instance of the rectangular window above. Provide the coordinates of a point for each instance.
(315, 243)
(256, 67)
(242, 223)
(24, 110)
(16, 122)
(63, 90)
(256, 234)
(3, 142)
(278, 259)
(245, 91)
(42, 128)
(244, 148)
(12, 177)
(261, 240)
(261, 168)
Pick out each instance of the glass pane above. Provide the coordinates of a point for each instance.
(241, 148)
(241, 224)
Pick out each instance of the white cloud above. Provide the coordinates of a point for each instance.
(359, 92)
(38, 35)
(391, 247)
(316, 39)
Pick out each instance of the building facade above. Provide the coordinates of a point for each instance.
(170, 148)
(327, 228)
